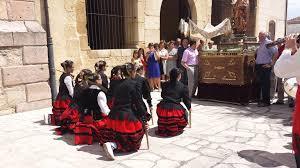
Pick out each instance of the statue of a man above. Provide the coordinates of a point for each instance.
(240, 16)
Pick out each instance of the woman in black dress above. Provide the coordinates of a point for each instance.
(71, 115)
(65, 94)
(124, 128)
(172, 116)
(115, 80)
(100, 68)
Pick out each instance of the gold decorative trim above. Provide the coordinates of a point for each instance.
(206, 62)
(231, 62)
(231, 76)
(219, 67)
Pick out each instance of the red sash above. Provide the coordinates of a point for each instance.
(296, 124)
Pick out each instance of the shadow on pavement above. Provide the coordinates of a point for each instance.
(282, 112)
(288, 146)
(267, 159)
(41, 122)
(151, 133)
(68, 138)
(96, 149)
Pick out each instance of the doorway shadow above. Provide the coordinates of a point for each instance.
(267, 159)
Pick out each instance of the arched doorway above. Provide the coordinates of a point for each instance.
(272, 29)
(170, 14)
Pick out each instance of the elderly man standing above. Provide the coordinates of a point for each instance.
(190, 63)
(264, 63)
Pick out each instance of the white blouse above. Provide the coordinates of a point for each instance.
(101, 100)
(288, 65)
(163, 52)
(69, 83)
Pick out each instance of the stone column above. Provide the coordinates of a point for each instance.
(152, 20)
(141, 23)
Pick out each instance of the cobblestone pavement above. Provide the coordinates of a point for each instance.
(222, 136)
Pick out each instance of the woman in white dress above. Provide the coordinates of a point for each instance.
(163, 54)
(171, 62)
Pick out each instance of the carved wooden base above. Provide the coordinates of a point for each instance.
(226, 68)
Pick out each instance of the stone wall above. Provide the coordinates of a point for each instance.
(68, 26)
(24, 70)
(268, 10)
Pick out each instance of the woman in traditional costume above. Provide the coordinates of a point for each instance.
(94, 102)
(124, 128)
(115, 80)
(100, 68)
(65, 94)
(172, 117)
(143, 87)
(71, 115)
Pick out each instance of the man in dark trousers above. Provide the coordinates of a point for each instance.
(181, 49)
(263, 67)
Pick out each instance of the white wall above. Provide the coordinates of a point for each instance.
(268, 10)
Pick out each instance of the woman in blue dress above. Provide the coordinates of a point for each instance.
(153, 67)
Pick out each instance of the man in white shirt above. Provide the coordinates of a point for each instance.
(288, 66)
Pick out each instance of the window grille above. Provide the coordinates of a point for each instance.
(105, 24)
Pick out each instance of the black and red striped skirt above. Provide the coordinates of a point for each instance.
(59, 106)
(69, 118)
(126, 134)
(296, 125)
(171, 121)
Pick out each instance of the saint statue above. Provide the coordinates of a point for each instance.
(240, 16)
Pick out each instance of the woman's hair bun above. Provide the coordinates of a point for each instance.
(67, 64)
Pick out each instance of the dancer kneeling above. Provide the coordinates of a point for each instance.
(65, 94)
(94, 102)
(172, 117)
(71, 115)
(115, 80)
(125, 126)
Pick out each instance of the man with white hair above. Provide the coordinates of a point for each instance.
(263, 67)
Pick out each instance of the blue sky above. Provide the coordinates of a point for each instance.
(293, 9)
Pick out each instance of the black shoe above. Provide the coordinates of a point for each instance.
(292, 105)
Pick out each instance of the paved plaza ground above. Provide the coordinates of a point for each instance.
(222, 136)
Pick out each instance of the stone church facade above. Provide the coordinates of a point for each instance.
(86, 31)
